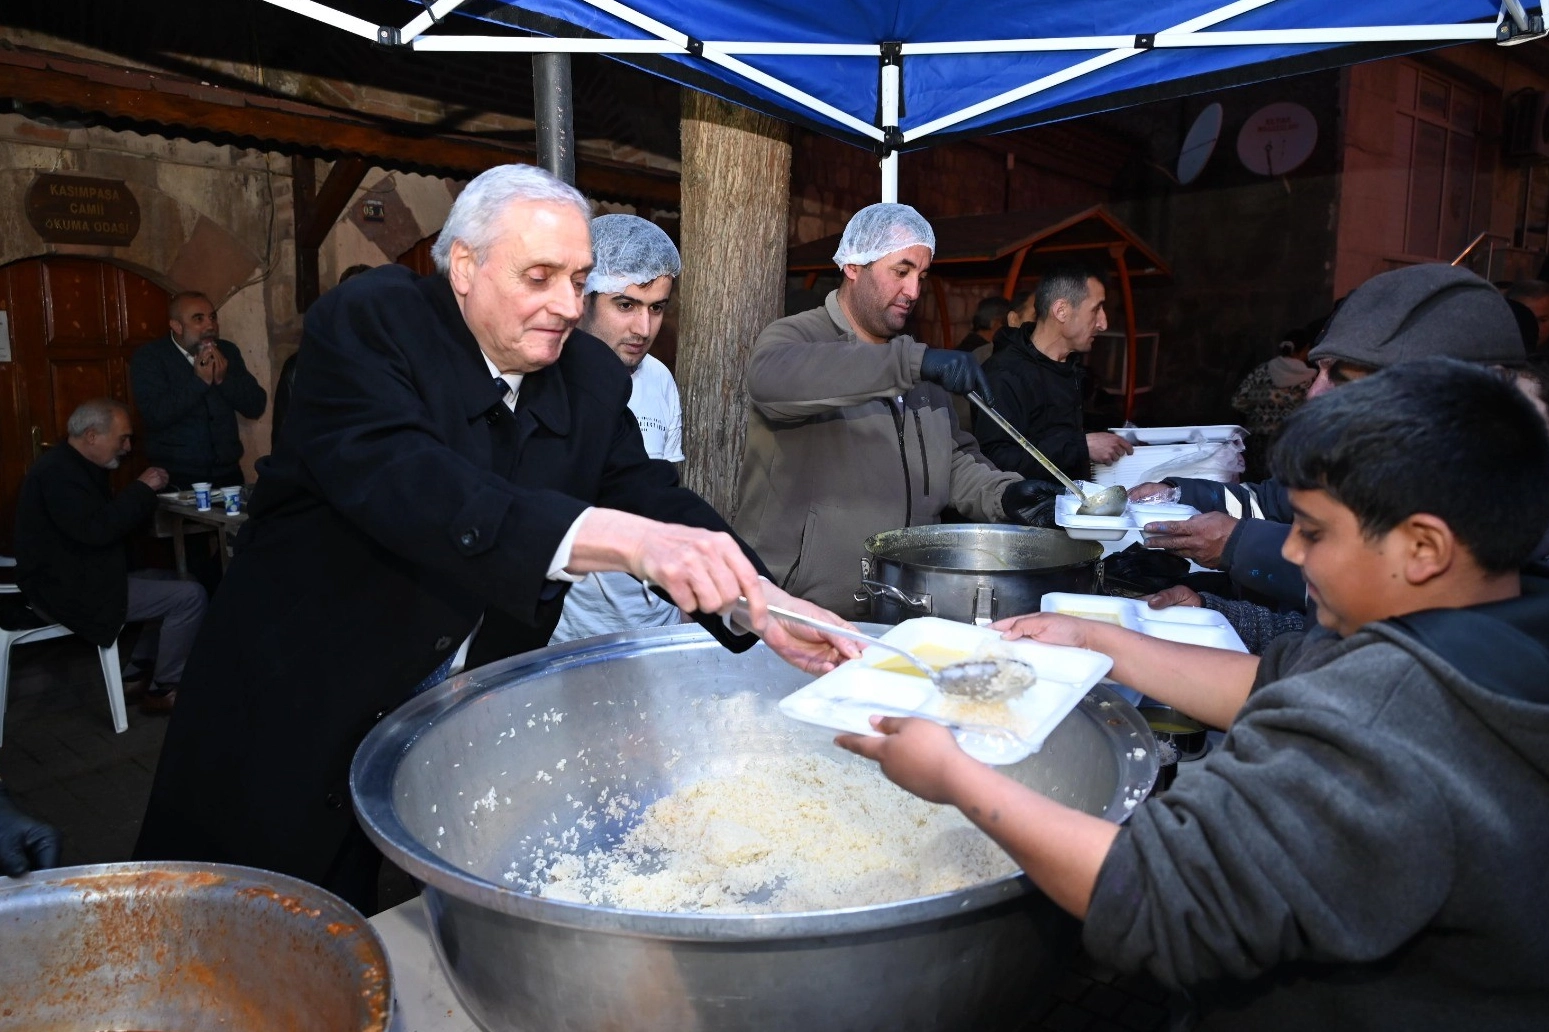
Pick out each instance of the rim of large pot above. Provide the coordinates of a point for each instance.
(1093, 547)
(376, 763)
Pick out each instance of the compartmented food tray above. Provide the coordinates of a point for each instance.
(839, 699)
(1186, 624)
(1111, 528)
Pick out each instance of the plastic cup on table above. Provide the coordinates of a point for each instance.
(233, 500)
(202, 496)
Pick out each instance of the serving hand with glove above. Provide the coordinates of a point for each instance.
(1030, 502)
(957, 372)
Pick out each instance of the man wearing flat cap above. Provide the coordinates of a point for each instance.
(1421, 311)
(852, 429)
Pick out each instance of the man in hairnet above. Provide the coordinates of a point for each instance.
(635, 267)
(852, 429)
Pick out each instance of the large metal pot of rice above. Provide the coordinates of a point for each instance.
(187, 948)
(972, 572)
(477, 786)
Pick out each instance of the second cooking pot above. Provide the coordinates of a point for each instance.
(972, 572)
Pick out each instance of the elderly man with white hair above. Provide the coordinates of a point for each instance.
(635, 266)
(852, 430)
(454, 458)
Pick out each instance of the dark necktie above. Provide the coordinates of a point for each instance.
(502, 388)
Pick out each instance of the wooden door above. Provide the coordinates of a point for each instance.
(74, 322)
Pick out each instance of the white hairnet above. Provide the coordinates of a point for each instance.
(878, 230)
(627, 250)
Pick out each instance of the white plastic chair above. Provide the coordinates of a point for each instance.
(31, 627)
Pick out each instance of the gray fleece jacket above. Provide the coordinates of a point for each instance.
(844, 442)
(1367, 848)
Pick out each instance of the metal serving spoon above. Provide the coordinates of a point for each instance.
(1110, 501)
(983, 680)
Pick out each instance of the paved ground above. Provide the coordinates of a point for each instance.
(61, 762)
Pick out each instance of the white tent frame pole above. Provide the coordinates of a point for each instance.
(542, 45)
(891, 80)
(438, 10)
(328, 16)
(1204, 21)
(1220, 38)
(747, 71)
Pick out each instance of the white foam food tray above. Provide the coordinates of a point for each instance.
(839, 698)
(1177, 434)
(1142, 464)
(1112, 528)
(1187, 624)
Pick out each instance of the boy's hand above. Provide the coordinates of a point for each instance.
(1049, 628)
(919, 756)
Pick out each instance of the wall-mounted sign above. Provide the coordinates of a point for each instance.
(82, 210)
(1277, 138)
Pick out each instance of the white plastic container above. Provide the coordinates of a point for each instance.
(1187, 624)
(1064, 677)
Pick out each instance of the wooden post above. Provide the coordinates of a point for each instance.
(736, 201)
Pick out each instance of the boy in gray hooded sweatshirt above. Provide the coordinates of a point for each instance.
(1366, 849)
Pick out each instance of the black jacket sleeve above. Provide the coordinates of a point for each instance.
(240, 387)
(1253, 561)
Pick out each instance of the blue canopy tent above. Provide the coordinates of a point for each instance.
(902, 74)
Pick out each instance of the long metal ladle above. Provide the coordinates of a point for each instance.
(1110, 501)
(984, 680)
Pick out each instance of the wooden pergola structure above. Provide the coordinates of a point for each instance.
(995, 249)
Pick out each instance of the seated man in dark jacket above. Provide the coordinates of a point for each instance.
(190, 387)
(71, 560)
(1037, 382)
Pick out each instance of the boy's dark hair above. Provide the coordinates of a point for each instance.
(1063, 282)
(990, 311)
(1436, 436)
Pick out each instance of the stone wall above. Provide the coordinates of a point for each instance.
(216, 219)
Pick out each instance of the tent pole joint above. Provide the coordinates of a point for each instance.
(1516, 26)
(430, 9)
(1145, 41)
(389, 36)
(695, 47)
(893, 52)
(891, 143)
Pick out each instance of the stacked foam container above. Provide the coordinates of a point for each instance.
(1198, 452)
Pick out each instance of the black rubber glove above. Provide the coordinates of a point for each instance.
(25, 843)
(1030, 502)
(958, 371)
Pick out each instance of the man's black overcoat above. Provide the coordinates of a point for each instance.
(404, 502)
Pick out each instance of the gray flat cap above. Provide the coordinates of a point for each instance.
(1422, 311)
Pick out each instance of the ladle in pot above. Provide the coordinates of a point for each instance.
(983, 680)
(1110, 501)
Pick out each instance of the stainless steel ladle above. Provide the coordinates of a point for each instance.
(983, 680)
(1110, 501)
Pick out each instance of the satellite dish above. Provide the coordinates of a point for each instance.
(1199, 144)
(1277, 138)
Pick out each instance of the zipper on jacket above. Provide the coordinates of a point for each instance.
(903, 455)
(919, 430)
